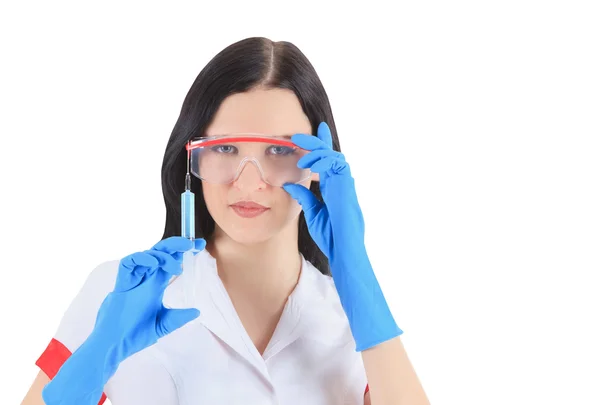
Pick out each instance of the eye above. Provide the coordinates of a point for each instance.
(280, 150)
(227, 149)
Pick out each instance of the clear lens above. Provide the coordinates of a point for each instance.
(221, 160)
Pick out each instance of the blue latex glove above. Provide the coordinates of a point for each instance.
(337, 227)
(131, 318)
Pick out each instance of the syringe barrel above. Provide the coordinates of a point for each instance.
(187, 215)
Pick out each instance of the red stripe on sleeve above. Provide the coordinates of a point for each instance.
(53, 358)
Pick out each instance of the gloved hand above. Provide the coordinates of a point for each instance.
(337, 227)
(131, 318)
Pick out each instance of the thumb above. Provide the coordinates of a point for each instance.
(309, 202)
(171, 319)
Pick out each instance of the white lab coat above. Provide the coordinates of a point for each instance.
(311, 358)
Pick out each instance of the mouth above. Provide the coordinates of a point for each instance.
(248, 209)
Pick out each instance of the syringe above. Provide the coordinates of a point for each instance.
(188, 218)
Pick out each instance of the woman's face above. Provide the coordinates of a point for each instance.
(269, 112)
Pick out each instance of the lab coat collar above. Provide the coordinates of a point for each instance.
(303, 311)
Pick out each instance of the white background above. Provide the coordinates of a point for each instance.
(472, 129)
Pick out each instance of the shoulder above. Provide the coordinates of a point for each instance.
(100, 281)
(80, 317)
(103, 276)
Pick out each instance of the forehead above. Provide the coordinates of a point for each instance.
(271, 112)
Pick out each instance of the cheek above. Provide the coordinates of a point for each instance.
(214, 197)
(293, 207)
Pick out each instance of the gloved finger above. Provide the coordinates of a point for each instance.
(177, 256)
(199, 244)
(330, 165)
(138, 264)
(309, 142)
(132, 269)
(138, 259)
(174, 244)
(171, 319)
(323, 140)
(308, 160)
(306, 198)
(324, 134)
(166, 262)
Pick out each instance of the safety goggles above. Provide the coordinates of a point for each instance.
(221, 159)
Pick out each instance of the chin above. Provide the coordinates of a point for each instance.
(249, 238)
(251, 231)
(251, 235)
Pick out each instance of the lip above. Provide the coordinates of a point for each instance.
(249, 205)
(248, 209)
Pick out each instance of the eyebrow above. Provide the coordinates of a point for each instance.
(284, 136)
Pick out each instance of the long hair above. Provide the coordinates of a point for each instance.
(242, 66)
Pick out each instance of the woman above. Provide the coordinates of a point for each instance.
(281, 304)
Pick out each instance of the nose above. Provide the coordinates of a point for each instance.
(249, 176)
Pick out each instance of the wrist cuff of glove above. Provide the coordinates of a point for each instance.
(362, 299)
(82, 377)
(394, 332)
